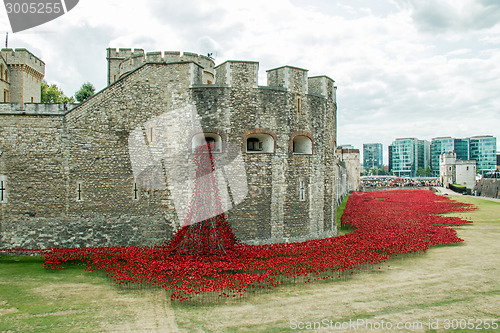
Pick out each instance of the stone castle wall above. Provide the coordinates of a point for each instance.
(488, 187)
(4, 81)
(351, 159)
(25, 77)
(69, 178)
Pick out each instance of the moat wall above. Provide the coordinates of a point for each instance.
(488, 187)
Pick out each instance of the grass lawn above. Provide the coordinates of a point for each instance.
(340, 210)
(446, 283)
(71, 300)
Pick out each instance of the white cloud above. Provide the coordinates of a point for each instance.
(453, 15)
(395, 78)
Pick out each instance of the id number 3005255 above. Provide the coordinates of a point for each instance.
(478, 324)
(34, 7)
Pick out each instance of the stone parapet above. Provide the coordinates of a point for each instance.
(36, 108)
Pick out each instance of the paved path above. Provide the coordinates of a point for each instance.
(446, 191)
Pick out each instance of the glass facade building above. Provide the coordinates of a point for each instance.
(407, 155)
(440, 146)
(389, 158)
(372, 156)
(482, 149)
(462, 149)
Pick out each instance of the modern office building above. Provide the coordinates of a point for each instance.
(424, 154)
(406, 155)
(461, 147)
(483, 149)
(389, 159)
(372, 156)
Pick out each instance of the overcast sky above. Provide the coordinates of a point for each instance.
(404, 68)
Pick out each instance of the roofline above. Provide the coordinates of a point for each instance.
(294, 67)
(242, 61)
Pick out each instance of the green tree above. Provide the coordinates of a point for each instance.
(428, 171)
(86, 91)
(52, 94)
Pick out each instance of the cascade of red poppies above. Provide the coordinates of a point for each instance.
(386, 223)
(205, 230)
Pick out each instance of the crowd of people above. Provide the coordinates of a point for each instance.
(398, 182)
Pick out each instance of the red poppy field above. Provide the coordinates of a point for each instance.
(386, 223)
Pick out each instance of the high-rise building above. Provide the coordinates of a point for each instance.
(372, 156)
(424, 154)
(440, 146)
(389, 158)
(483, 149)
(407, 155)
(461, 147)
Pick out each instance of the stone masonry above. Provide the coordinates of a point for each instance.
(67, 177)
(21, 75)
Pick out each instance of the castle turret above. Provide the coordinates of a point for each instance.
(24, 76)
(292, 78)
(322, 85)
(115, 59)
(241, 74)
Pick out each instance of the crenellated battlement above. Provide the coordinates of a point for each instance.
(23, 57)
(23, 77)
(123, 53)
(244, 74)
(123, 61)
(231, 73)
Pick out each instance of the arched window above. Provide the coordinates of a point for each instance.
(254, 144)
(259, 143)
(302, 145)
(212, 139)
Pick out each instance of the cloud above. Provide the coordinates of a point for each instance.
(441, 16)
(394, 77)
